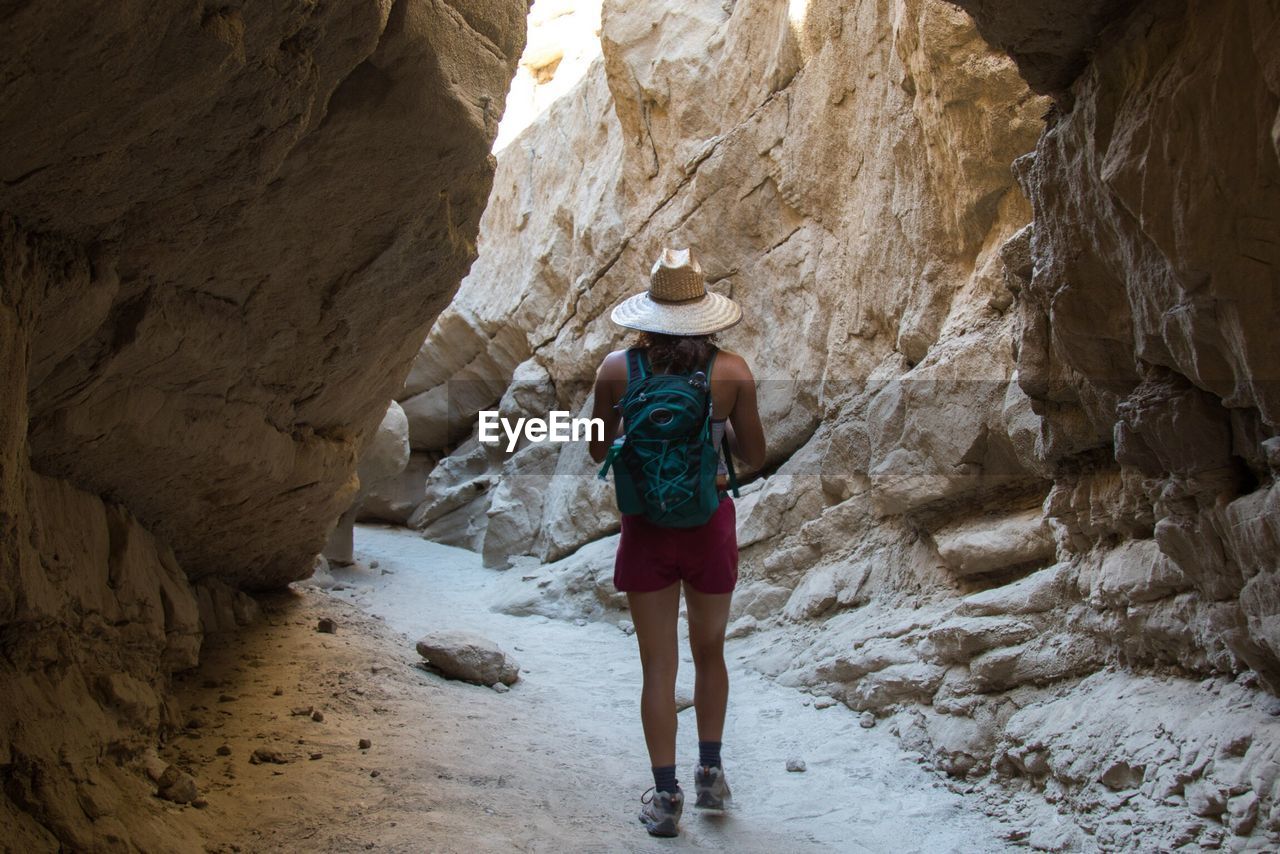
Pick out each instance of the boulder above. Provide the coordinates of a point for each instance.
(989, 544)
(469, 657)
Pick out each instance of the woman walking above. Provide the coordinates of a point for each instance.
(679, 400)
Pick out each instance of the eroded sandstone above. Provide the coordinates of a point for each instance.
(224, 233)
(1016, 359)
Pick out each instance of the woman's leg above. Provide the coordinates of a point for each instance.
(654, 615)
(708, 616)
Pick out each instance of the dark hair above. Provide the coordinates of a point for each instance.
(677, 354)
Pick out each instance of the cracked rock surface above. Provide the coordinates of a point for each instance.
(224, 232)
(1009, 286)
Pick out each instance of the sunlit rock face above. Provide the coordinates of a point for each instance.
(563, 41)
(1013, 319)
(843, 203)
(224, 233)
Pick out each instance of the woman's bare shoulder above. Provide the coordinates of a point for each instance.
(731, 366)
(614, 366)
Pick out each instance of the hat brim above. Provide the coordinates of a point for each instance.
(703, 316)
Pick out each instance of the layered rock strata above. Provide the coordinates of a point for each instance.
(224, 233)
(1015, 362)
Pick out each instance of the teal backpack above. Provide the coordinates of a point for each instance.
(665, 464)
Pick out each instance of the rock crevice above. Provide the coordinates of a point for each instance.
(1011, 317)
(223, 235)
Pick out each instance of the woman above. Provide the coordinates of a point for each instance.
(677, 317)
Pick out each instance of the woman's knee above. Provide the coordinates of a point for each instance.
(659, 663)
(707, 652)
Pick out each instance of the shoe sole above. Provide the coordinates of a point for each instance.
(707, 802)
(665, 829)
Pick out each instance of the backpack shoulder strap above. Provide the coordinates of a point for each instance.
(637, 365)
(728, 461)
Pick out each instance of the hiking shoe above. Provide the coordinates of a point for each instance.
(661, 812)
(712, 788)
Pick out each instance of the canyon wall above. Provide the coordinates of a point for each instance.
(224, 234)
(1011, 317)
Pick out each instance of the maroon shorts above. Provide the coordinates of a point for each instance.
(651, 557)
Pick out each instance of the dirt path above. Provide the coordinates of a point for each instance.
(556, 764)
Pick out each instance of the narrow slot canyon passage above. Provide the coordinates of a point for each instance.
(554, 764)
(976, 300)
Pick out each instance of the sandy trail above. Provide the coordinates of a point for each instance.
(558, 763)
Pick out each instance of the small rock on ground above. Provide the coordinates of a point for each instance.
(824, 702)
(626, 627)
(365, 744)
(867, 720)
(267, 755)
(327, 626)
(499, 688)
(177, 785)
(469, 657)
(796, 765)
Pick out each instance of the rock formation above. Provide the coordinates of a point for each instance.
(383, 458)
(224, 233)
(1012, 319)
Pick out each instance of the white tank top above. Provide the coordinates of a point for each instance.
(717, 435)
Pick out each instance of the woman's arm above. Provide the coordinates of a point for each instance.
(611, 381)
(746, 434)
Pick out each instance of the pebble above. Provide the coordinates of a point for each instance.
(177, 785)
(375, 773)
(373, 564)
(867, 720)
(499, 688)
(302, 710)
(317, 716)
(795, 764)
(365, 744)
(627, 627)
(580, 621)
(327, 625)
(224, 750)
(278, 691)
(317, 755)
(267, 754)
(824, 702)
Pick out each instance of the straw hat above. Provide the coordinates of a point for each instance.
(677, 302)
